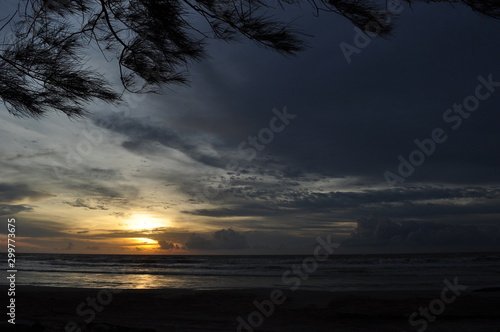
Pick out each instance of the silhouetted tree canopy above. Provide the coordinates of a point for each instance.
(42, 62)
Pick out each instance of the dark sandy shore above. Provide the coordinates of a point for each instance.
(51, 309)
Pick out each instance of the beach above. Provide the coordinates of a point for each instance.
(246, 166)
(66, 309)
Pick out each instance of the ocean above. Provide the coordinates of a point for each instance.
(338, 273)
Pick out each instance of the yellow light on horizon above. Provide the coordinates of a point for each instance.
(143, 240)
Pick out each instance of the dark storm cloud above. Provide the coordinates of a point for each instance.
(379, 231)
(353, 119)
(142, 135)
(222, 239)
(11, 192)
(410, 201)
(435, 211)
(10, 210)
(356, 119)
(407, 195)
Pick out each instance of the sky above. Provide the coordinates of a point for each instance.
(386, 145)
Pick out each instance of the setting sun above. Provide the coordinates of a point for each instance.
(145, 221)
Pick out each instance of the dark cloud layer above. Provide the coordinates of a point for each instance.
(378, 231)
(165, 245)
(142, 137)
(430, 200)
(35, 228)
(220, 240)
(11, 192)
(11, 210)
